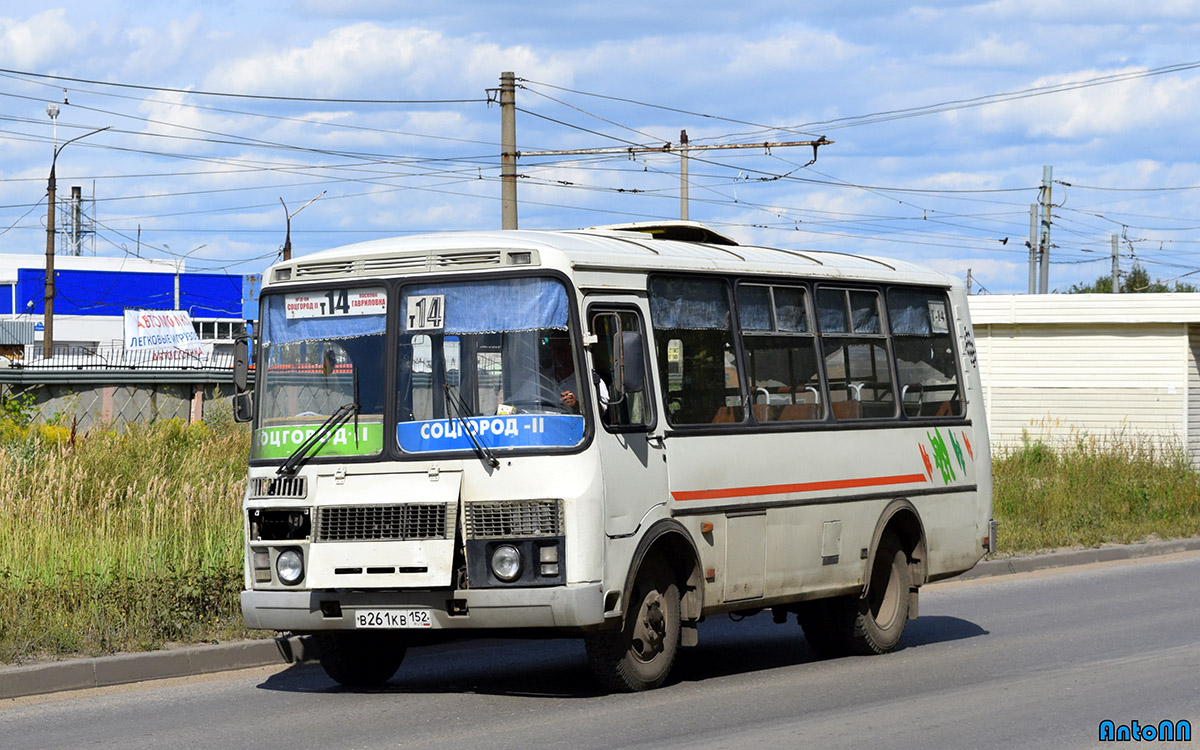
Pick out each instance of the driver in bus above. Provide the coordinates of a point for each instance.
(562, 368)
(566, 382)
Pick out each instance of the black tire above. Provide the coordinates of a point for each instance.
(881, 615)
(360, 659)
(827, 624)
(639, 655)
(871, 624)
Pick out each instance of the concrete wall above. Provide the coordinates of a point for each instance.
(87, 404)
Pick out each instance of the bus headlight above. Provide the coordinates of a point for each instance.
(506, 563)
(289, 566)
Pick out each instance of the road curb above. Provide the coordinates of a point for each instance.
(1068, 558)
(104, 671)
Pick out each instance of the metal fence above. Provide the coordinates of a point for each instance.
(116, 358)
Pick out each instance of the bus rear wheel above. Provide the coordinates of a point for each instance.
(639, 655)
(871, 624)
(360, 659)
(880, 616)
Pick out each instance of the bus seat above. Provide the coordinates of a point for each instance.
(797, 412)
(847, 409)
(762, 412)
(724, 414)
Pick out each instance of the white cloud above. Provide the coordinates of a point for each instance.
(41, 40)
(373, 61)
(991, 51)
(1124, 107)
(1094, 11)
(158, 48)
(793, 50)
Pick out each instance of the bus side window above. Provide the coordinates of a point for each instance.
(781, 356)
(693, 339)
(856, 354)
(618, 409)
(920, 321)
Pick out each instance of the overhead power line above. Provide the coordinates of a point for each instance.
(231, 95)
(896, 114)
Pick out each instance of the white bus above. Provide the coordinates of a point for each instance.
(612, 433)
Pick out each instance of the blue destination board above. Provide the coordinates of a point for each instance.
(508, 431)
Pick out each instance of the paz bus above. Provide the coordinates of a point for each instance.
(611, 433)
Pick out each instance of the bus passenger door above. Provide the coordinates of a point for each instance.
(631, 453)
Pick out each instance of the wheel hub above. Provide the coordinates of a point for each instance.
(650, 629)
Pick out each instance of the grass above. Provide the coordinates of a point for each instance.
(130, 539)
(119, 540)
(1093, 490)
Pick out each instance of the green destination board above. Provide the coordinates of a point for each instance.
(280, 442)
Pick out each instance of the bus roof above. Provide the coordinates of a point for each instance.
(643, 247)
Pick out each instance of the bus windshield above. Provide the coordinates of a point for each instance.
(322, 351)
(494, 357)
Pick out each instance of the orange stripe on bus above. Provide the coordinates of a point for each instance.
(782, 489)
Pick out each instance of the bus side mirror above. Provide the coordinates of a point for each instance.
(629, 366)
(243, 400)
(241, 363)
(243, 407)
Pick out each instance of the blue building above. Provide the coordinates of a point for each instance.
(92, 294)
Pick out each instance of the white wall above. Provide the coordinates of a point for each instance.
(1056, 365)
(1055, 380)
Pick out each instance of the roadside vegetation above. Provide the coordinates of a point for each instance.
(121, 539)
(130, 539)
(1093, 490)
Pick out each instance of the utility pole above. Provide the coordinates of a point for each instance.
(683, 176)
(508, 150)
(1047, 181)
(1116, 268)
(51, 187)
(1033, 247)
(509, 153)
(968, 282)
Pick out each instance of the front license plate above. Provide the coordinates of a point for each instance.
(392, 618)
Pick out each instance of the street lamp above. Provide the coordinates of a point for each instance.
(287, 242)
(178, 267)
(48, 335)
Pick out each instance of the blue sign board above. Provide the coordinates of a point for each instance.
(499, 432)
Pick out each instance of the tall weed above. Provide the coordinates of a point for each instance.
(123, 538)
(1089, 490)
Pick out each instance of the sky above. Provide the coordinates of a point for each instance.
(222, 119)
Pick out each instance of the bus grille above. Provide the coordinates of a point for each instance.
(295, 487)
(514, 518)
(385, 522)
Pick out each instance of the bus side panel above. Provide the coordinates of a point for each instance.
(821, 493)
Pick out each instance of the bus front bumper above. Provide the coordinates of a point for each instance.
(306, 611)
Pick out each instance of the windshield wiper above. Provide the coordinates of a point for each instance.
(339, 417)
(455, 402)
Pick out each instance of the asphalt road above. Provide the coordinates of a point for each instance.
(1033, 660)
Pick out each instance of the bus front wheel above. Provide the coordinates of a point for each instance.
(639, 655)
(360, 659)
